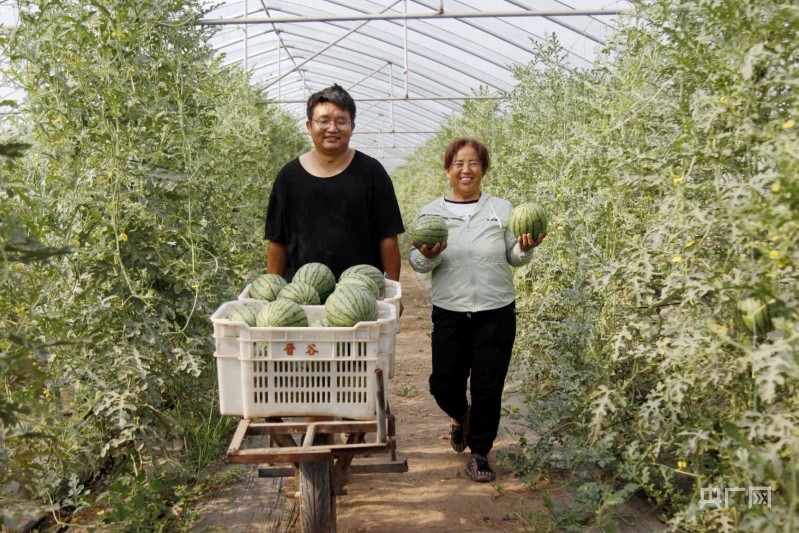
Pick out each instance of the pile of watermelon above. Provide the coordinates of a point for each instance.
(353, 299)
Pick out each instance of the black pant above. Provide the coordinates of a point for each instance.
(477, 344)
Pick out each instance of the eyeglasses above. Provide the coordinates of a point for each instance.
(325, 123)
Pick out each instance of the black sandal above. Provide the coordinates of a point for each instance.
(459, 433)
(478, 469)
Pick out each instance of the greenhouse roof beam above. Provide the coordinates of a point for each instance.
(326, 47)
(440, 34)
(421, 72)
(410, 98)
(566, 25)
(414, 16)
(564, 4)
(372, 73)
(437, 34)
(330, 61)
(504, 38)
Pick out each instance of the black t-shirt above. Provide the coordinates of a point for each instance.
(338, 221)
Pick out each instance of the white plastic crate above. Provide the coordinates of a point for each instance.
(391, 294)
(301, 371)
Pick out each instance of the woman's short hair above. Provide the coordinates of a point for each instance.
(460, 142)
(336, 94)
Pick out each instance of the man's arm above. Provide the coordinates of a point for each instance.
(390, 255)
(277, 257)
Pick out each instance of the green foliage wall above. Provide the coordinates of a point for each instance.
(150, 164)
(670, 173)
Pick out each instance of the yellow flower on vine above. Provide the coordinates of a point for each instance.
(676, 259)
(117, 33)
(682, 465)
(101, 512)
(788, 124)
(776, 188)
(123, 237)
(774, 254)
(678, 179)
(722, 330)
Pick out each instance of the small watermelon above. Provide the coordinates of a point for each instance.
(300, 292)
(529, 218)
(243, 313)
(282, 313)
(267, 287)
(371, 271)
(363, 280)
(318, 276)
(754, 315)
(320, 323)
(429, 230)
(350, 304)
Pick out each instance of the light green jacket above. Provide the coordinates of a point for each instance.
(474, 272)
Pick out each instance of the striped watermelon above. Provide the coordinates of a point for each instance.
(371, 271)
(320, 323)
(243, 313)
(754, 315)
(429, 230)
(301, 293)
(318, 276)
(282, 313)
(356, 278)
(267, 287)
(529, 218)
(350, 304)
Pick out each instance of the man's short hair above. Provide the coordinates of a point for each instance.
(334, 94)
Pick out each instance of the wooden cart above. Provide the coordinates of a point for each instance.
(308, 448)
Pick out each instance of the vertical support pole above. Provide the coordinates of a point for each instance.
(246, 34)
(304, 83)
(391, 95)
(279, 62)
(407, 71)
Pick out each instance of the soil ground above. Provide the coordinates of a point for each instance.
(435, 494)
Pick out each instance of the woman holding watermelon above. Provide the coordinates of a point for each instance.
(474, 321)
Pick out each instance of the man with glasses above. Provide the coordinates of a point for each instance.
(333, 205)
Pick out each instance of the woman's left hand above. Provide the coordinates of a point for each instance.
(526, 241)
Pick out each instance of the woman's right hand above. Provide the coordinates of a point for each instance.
(431, 252)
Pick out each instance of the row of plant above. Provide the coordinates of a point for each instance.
(669, 171)
(137, 209)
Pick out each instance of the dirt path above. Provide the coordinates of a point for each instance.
(435, 494)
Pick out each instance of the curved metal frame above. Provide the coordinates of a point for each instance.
(409, 64)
